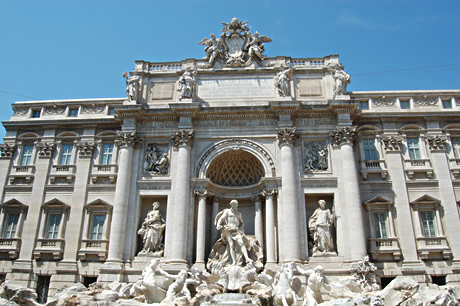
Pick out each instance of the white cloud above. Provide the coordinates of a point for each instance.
(348, 19)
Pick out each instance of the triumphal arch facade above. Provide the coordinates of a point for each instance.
(96, 188)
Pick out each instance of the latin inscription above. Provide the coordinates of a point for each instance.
(236, 88)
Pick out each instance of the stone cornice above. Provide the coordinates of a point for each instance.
(343, 135)
(182, 138)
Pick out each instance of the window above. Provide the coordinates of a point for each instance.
(404, 104)
(66, 154)
(428, 227)
(73, 112)
(11, 225)
(380, 224)
(97, 227)
(107, 152)
(413, 147)
(456, 147)
(446, 103)
(364, 105)
(36, 113)
(52, 228)
(26, 156)
(370, 152)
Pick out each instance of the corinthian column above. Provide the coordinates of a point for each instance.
(182, 140)
(349, 188)
(289, 227)
(126, 142)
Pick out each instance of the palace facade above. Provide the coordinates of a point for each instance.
(278, 134)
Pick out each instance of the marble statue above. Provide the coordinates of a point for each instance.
(282, 83)
(341, 81)
(316, 280)
(132, 86)
(364, 273)
(234, 248)
(155, 161)
(178, 290)
(286, 287)
(256, 47)
(214, 48)
(320, 225)
(147, 288)
(152, 232)
(185, 84)
(316, 157)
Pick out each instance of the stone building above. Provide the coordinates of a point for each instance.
(276, 133)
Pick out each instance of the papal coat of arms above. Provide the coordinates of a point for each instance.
(237, 46)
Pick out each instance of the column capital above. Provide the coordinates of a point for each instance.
(128, 139)
(392, 142)
(85, 149)
(182, 138)
(287, 136)
(45, 149)
(342, 135)
(269, 192)
(201, 193)
(7, 150)
(256, 198)
(437, 143)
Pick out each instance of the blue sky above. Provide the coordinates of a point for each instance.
(79, 49)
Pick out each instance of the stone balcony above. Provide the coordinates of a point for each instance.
(93, 249)
(64, 173)
(412, 167)
(454, 165)
(104, 173)
(433, 248)
(381, 247)
(49, 249)
(22, 173)
(371, 167)
(10, 247)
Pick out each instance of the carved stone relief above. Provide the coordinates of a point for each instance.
(45, 149)
(437, 142)
(92, 109)
(156, 159)
(7, 150)
(384, 101)
(20, 112)
(54, 110)
(86, 148)
(426, 101)
(316, 156)
(392, 143)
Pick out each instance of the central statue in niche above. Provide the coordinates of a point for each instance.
(234, 248)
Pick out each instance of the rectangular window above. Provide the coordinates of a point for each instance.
(66, 154)
(456, 146)
(73, 112)
(370, 152)
(11, 225)
(26, 156)
(97, 227)
(446, 103)
(52, 230)
(380, 225)
(404, 104)
(413, 147)
(107, 152)
(427, 218)
(36, 113)
(364, 105)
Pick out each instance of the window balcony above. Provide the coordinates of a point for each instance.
(454, 165)
(10, 247)
(373, 167)
(64, 173)
(96, 249)
(381, 247)
(49, 249)
(433, 248)
(25, 173)
(414, 166)
(104, 172)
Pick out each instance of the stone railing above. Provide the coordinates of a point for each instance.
(413, 166)
(373, 166)
(66, 172)
(433, 246)
(10, 247)
(381, 247)
(104, 171)
(158, 67)
(307, 62)
(454, 165)
(49, 249)
(24, 170)
(96, 249)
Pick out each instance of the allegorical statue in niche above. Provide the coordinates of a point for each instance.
(155, 161)
(234, 248)
(185, 84)
(132, 86)
(341, 81)
(152, 232)
(282, 82)
(320, 225)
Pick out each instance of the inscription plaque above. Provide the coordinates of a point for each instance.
(161, 91)
(236, 88)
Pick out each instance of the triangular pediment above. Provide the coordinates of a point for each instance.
(56, 203)
(378, 200)
(14, 203)
(425, 199)
(98, 203)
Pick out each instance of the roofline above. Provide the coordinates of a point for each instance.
(71, 100)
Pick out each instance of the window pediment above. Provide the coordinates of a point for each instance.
(425, 200)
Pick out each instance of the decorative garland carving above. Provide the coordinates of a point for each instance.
(425, 101)
(182, 138)
(54, 110)
(384, 101)
(287, 136)
(436, 142)
(86, 149)
(92, 109)
(343, 135)
(392, 143)
(45, 149)
(128, 138)
(20, 112)
(7, 150)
